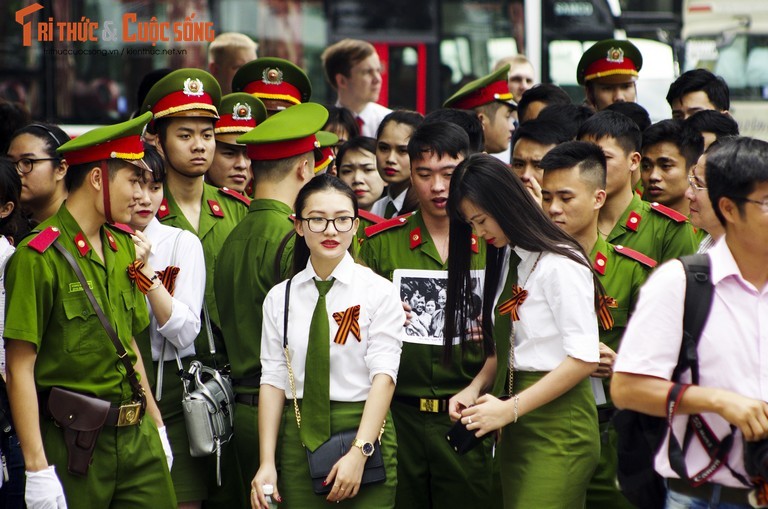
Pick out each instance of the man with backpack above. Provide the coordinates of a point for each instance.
(710, 381)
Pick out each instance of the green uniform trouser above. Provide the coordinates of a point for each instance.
(429, 472)
(603, 491)
(232, 494)
(129, 469)
(549, 455)
(295, 484)
(188, 473)
(247, 441)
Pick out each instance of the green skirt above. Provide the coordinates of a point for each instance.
(548, 457)
(295, 484)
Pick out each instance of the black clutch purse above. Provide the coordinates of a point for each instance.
(463, 440)
(322, 459)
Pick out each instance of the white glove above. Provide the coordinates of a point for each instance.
(166, 446)
(44, 491)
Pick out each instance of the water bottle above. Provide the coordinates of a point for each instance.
(269, 490)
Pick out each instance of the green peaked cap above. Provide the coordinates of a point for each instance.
(288, 133)
(485, 90)
(184, 92)
(273, 78)
(239, 113)
(609, 57)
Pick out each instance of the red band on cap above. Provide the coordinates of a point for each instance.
(228, 124)
(179, 101)
(281, 149)
(283, 91)
(326, 158)
(496, 91)
(603, 67)
(129, 147)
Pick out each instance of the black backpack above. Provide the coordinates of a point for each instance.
(641, 435)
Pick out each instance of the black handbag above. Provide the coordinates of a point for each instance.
(322, 459)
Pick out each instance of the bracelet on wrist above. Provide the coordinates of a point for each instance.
(515, 407)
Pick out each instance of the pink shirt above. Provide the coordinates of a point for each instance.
(733, 348)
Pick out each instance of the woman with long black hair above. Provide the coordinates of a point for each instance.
(541, 297)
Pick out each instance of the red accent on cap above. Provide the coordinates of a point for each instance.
(111, 240)
(669, 212)
(234, 125)
(270, 90)
(236, 195)
(368, 216)
(127, 145)
(326, 158)
(281, 149)
(600, 262)
(215, 208)
(44, 239)
(496, 91)
(415, 237)
(633, 221)
(81, 244)
(604, 67)
(636, 255)
(176, 101)
(475, 246)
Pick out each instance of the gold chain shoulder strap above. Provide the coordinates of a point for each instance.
(511, 360)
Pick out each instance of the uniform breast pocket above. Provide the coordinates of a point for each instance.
(82, 332)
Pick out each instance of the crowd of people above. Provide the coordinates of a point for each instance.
(506, 263)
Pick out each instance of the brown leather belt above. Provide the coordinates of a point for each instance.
(129, 414)
(704, 492)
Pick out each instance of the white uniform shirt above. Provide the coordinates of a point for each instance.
(353, 364)
(731, 349)
(379, 207)
(6, 250)
(372, 115)
(183, 326)
(558, 317)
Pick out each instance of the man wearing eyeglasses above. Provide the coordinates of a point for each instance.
(731, 393)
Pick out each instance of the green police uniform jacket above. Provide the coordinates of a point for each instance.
(221, 210)
(47, 306)
(405, 243)
(245, 272)
(655, 230)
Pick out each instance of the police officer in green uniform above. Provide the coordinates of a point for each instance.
(608, 70)
(625, 219)
(55, 339)
(258, 253)
(573, 192)
(185, 104)
(430, 473)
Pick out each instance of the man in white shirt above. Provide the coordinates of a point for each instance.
(353, 69)
(732, 359)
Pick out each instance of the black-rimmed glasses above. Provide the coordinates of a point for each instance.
(26, 165)
(342, 224)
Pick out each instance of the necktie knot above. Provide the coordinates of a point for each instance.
(323, 287)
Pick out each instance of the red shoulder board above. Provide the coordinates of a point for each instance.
(633, 221)
(601, 261)
(475, 248)
(636, 255)
(44, 239)
(415, 237)
(386, 225)
(163, 210)
(670, 213)
(122, 227)
(234, 194)
(370, 217)
(215, 208)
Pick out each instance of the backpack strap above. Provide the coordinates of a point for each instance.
(699, 293)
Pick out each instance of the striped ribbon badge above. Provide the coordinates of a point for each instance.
(511, 305)
(348, 322)
(604, 314)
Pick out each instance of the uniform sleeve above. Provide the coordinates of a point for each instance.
(29, 281)
(367, 256)
(679, 240)
(385, 341)
(183, 326)
(274, 370)
(651, 343)
(569, 290)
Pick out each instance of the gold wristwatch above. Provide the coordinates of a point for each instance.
(365, 447)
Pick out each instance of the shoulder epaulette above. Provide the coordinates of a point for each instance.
(668, 212)
(636, 255)
(122, 227)
(44, 239)
(234, 194)
(386, 225)
(368, 216)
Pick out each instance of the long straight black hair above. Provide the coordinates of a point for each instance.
(318, 184)
(490, 185)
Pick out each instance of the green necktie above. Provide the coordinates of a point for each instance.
(390, 210)
(503, 329)
(316, 404)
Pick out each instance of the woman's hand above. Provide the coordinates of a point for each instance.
(607, 359)
(488, 414)
(346, 475)
(143, 248)
(459, 402)
(267, 474)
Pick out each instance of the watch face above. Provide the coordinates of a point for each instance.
(367, 449)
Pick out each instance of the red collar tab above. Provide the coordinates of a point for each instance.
(215, 208)
(669, 212)
(122, 227)
(111, 240)
(633, 221)
(81, 244)
(163, 210)
(636, 255)
(368, 216)
(601, 261)
(415, 237)
(44, 239)
(496, 91)
(386, 225)
(234, 194)
(475, 247)
(282, 149)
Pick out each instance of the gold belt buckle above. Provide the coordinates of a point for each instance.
(129, 414)
(429, 405)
